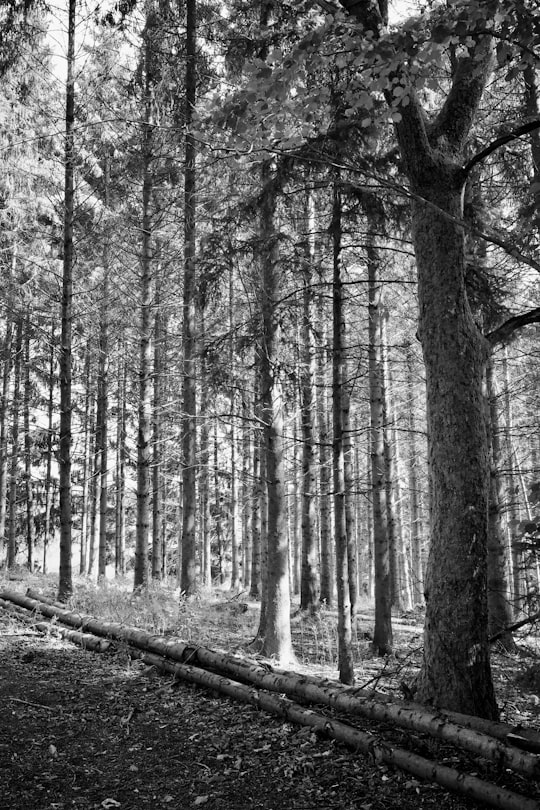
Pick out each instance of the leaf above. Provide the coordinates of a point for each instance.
(201, 800)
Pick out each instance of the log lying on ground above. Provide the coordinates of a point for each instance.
(294, 685)
(368, 744)
(85, 640)
(524, 738)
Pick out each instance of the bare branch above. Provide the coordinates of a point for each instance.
(506, 330)
(531, 126)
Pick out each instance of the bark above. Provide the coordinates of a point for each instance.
(145, 346)
(29, 486)
(325, 465)
(246, 500)
(456, 671)
(120, 512)
(415, 520)
(499, 610)
(204, 479)
(4, 412)
(339, 394)
(65, 583)
(277, 632)
(512, 504)
(235, 542)
(48, 528)
(14, 459)
(190, 568)
(102, 421)
(382, 635)
(157, 483)
(257, 502)
(310, 578)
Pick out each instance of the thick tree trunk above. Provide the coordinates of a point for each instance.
(456, 671)
(65, 583)
(339, 393)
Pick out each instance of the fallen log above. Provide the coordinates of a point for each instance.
(85, 640)
(438, 726)
(366, 743)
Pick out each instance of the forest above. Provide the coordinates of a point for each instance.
(270, 313)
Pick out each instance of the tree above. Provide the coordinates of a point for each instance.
(65, 584)
(190, 570)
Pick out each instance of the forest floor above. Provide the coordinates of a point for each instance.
(85, 731)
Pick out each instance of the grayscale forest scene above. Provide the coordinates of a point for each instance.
(269, 409)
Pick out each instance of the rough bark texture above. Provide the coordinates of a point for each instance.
(65, 583)
(456, 671)
(345, 657)
(145, 346)
(382, 636)
(190, 568)
(277, 635)
(310, 579)
(499, 606)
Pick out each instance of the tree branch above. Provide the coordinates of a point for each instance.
(531, 126)
(507, 329)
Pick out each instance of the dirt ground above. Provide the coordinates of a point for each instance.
(86, 731)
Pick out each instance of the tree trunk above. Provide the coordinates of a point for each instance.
(102, 424)
(339, 394)
(4, 414)
(65, 583)
(29, 485)
(415, 521)
(144, 441)
(157, 484)
(256, 500)
(48, 527)
(14, 460)
(204, 480)
(456, 671)
(246, 499)
(382, 636)
(310, 577)
(120, 513)
(499, 611)
(325, 464)
(512, 504)
(277, 636)
(190, 568)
